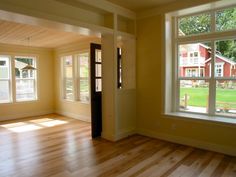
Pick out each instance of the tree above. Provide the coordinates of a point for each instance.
(225, 20)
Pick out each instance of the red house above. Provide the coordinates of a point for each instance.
(195, 61)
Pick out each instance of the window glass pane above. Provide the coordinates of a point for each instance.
(84, 89)
(98, 85)
(194, 96)
(84, 65)
(225, 63)
(4, 91)
(226, 19)
(25, 79)
(98, 70)
(84, 77)
(25, 89)
(98, 55)
(4, 67)
(68, 64)
(194, 59)
(69, 89)
(226, 97)
(194, 25)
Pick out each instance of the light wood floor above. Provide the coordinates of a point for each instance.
(62, 147)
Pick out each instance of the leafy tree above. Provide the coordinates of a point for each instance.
(225, 20)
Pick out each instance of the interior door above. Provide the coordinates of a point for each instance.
(96, 89)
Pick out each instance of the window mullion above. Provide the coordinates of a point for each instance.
(212, 87)
(13, 79)
(75, 69)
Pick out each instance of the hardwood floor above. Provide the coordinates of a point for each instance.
(57, 146)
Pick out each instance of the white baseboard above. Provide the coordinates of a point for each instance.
(23, 115)
(75, 116)
(124, 134)
(190, 142)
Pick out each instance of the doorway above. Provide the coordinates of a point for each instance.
(96, 89)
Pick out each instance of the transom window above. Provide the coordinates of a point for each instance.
(204, 64)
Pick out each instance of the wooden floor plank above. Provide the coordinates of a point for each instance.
(63, 147)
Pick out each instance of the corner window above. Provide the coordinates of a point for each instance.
(203, 63)
(75, 74)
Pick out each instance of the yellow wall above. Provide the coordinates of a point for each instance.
(74, 109)
(45, 84)
(151, 121)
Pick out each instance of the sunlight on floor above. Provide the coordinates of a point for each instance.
(36, 124)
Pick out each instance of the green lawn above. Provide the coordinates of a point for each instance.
(198, 96)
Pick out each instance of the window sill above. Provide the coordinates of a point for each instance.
(75, 101)
(201, 117)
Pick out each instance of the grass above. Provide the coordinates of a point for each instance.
(198, 96)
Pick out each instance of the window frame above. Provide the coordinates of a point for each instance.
(171, 95)
(9, 79)
(35, 79)
(76, 76)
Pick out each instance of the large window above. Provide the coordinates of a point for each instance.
(24, 87)
(75, 73)
(204, 64)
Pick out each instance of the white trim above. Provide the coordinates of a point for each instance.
(125, 134)
(23, 115)
(84, 118)
(189, 142)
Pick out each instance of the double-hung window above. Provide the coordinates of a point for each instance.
(25, 80)
(75, 74)
(203, 63)
(17, 84)
(5, 79)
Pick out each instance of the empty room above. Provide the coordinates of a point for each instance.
(118, 88)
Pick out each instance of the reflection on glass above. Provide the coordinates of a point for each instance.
(226, 19)
(194, 96)
(194, 24)
(98, 85)
(194, 60)
(226, 97)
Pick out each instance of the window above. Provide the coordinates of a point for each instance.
(83, 60)
(68, 87)
(26, 83)
(5, 79)
(75, 73)
(219, 70)
(204, 63)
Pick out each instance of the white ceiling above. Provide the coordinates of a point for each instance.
(138, 5)
(18, 34)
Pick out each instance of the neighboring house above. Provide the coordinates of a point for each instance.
(195, 61)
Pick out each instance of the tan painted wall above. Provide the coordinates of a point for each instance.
(45, 84)
(73, 109)
(151, 121)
